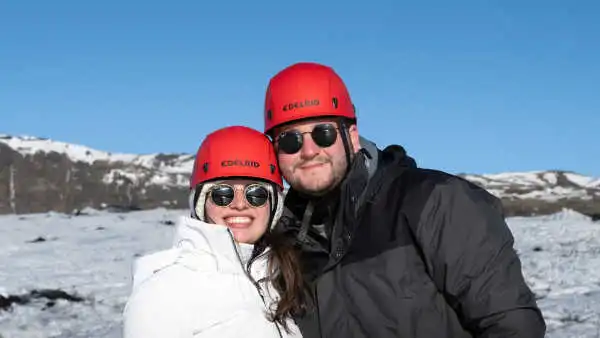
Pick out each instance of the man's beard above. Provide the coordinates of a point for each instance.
(334, 180)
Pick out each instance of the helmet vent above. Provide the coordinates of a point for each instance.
(335, 102)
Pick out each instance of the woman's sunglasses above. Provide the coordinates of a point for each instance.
(223, 194)
(291, 141)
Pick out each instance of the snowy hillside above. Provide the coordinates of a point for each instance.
(88, 258)
(550, 185)
(71, 176)
(546, 185)
(163, 165)
(40, 175)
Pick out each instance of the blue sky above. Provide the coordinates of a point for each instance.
(465, 86)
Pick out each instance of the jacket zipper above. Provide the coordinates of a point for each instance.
(252, 280)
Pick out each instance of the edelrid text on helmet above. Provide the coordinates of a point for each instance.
(301, 104)
(241, 163)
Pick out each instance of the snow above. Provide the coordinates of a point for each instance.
(30, 145)
(533, 179)
(552, 194)
(179, 180)
(526, 178)
(550, 178)
(541, 185)
(91, 256)
(581, 180)
(120, 177)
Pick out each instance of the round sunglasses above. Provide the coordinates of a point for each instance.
(291, 141)
(223, 194)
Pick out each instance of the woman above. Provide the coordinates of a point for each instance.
(228, 274)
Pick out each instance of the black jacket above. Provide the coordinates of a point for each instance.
(399, 251)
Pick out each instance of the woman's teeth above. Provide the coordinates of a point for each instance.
(238, 220)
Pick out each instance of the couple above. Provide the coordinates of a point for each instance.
(364, 244)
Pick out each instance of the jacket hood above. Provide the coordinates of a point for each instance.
(372, 155)
(394, 154)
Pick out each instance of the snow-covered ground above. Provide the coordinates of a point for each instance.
(90, 256)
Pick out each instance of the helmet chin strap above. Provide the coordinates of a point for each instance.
(345, 135)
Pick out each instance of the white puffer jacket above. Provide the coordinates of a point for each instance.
(199, 288)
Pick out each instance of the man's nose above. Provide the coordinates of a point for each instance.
(309, 148)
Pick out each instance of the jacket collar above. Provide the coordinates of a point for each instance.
(372, 153)
(213, 239)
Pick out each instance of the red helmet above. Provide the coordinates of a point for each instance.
(236, 151)
(306, 90)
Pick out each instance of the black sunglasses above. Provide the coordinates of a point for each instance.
(223, 194)
(291, 141)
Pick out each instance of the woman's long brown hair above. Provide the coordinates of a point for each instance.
(284, 272)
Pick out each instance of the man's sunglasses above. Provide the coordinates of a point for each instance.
(291, 141)
(223, 194)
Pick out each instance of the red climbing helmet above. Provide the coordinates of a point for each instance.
(304, 90)
(236, 151)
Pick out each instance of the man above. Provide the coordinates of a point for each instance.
(388, 249)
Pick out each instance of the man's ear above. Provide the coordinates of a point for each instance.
(354, 137)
